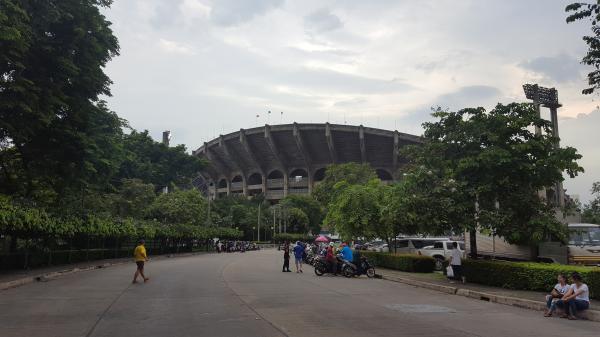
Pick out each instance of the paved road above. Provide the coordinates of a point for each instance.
(248, 295)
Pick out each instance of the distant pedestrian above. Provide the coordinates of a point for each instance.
(456, 262)
(286, 257)
(139, 254)
(298, 251)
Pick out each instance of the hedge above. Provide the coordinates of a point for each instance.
(27, 222)
(527, 275)
(404, 262)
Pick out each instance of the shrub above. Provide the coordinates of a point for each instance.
(404, 262)
(292, 237)
(527, 275)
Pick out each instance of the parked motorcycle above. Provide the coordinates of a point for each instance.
(322, 267)
(349, 269)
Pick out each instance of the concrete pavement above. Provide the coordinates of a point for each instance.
(248, 295)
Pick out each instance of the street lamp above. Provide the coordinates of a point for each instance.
(253, 232)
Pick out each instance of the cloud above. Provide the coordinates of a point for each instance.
(321, 21)
(173, 47)
(469, 96)
(234, 12)
(582, 134)
(558, 69)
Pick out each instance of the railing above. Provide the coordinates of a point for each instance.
(237, 186)
(275, 194)
(274, 183)
(222, 190)
(298, 183)
(255, 187)
(298, 191)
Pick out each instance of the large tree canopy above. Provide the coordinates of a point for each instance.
(55, 133)
(309, 206)
(492, 158)
(351, 173)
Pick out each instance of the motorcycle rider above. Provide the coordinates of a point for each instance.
(347, 253)
(331, 260)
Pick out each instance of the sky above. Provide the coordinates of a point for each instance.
(201, 68)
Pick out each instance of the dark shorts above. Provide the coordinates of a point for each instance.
(140, 265)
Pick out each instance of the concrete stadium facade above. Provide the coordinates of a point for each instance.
(279, 160)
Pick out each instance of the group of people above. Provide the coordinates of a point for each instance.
(234, 246)
(301, 251)
(569, 298)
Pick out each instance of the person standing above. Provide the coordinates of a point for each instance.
(298, 251)
(286, 257)
(139, 254)
(456, 262)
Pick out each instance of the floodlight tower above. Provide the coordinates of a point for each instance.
(548, 98)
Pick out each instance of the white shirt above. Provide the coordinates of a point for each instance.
(562, 289)
(585, 294)
(456, 257)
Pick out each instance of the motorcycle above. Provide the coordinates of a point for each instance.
(349, 269)
(322, 267)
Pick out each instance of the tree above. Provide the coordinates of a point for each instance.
(581, 11)
(351, 173)
(489, 159)
(297, 221)
(58, 136)
(591, 210)
(356, 211)
(179, 207)
(157, 163)
(309, 206)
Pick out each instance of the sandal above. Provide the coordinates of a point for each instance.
(548, 314)
(572, 318)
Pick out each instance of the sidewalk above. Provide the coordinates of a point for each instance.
(16, 278)
(520, 298)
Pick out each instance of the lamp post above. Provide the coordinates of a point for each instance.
(253, 232)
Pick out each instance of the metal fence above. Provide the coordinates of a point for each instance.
(16, 253)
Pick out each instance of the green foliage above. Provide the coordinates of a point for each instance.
(297, 221)
(404, 262)
(179, 207)
(590, 11)
(351, 173)
(355, 211)
(56, 134)
(309, 206)
(473, 155)
(292, 237)
(34, 223)
(591, 210)
(527, 275)
(157, 163)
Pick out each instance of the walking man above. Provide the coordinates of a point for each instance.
(139, 254)
(286, 257)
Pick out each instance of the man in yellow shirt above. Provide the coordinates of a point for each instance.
(139, 254)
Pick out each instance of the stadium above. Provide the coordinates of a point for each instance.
(281, 160)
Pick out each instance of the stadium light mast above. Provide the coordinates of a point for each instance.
(548, 98)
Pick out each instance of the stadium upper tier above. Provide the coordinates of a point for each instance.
(278, 160)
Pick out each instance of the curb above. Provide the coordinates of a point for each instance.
(592, 315)
(45, 277)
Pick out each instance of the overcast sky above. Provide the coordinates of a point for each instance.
(201, 68)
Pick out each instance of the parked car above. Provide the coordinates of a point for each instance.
(441, 251)
(411, 245)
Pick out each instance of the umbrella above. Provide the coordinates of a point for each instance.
(322, 238)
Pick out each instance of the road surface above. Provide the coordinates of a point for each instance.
(246, 294)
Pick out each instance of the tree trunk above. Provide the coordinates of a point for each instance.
(473, 243)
